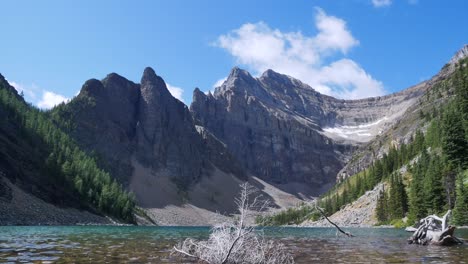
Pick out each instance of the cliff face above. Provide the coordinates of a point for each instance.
(286, 133)
(273, 127)
(133, 126)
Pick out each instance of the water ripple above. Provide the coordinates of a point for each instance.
(153, 245)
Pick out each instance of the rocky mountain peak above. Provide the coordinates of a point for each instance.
(92, 87)
(272, 74)
(461, 53)
(148, 75)
(153, 86)
(238, 78)
(114, 78)
(237, 72)
(239, 81)
(198, 95)
(282, 82)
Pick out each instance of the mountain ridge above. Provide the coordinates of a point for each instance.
(273, 130)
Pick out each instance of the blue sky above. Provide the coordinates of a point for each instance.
(346, 48)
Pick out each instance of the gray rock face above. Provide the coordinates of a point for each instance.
(166, 136)
(122, 121)
(462, 53)
(286, 133)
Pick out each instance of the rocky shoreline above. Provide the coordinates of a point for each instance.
(21, 208)
(360, 213)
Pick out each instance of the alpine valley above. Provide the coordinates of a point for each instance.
(126, 152)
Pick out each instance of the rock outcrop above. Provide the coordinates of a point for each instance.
(462, 53)
(147, 139)
(286, 133)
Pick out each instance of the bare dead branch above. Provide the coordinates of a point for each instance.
(235, 242)
(337, 227)
(434, 230)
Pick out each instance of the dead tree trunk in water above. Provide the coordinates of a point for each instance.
(435, 231)
(337, 227)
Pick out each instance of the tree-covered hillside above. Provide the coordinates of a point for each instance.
(45, 161)
(429, 175)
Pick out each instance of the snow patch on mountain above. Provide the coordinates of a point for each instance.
(360, 133)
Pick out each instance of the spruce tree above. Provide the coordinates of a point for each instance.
(417, 203)
(460, 211)
(454, 144)
(433, 187)
(381, 209)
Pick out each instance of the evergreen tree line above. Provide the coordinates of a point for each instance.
(290, 216)
(392, 205)
(357, 185)
(65, 163)
(436, 181)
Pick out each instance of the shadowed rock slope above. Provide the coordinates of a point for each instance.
(147, 139)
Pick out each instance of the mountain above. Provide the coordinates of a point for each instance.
(183, 164)
(148, 140)
(418, 166)
(44, 177)
(129, 123)
(413, 119)
(288, 134)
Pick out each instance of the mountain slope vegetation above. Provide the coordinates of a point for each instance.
(408, 148)
(43, 160)
(425, 175)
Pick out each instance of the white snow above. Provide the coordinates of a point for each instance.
(358, 132)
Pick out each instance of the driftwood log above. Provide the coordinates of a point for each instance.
(434, 230)
(336, 226)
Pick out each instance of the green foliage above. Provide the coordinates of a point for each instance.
(432, 185)
(398, 223)
(382, 207)
(65, 163)
(460, 210)
(392, 205)
(381, 170)
(455, 145)
(290, 216)
(398, 200)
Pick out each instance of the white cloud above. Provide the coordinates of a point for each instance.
(333, 33)
(381, 3)
(29, 91)
(219, 82)
(50, 99)
(350, 80)
(260, 48)
(175, 91)
(216, 84)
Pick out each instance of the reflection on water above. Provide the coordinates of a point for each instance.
(153, 245)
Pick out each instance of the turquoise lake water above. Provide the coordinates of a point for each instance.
(112, 244)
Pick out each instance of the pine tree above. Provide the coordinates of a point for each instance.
(417, 203)
(460, 211)
(433, 187)
(381, 209)
(397, 202)
(378, 172)
(454, 144)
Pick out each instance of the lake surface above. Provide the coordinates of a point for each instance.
(112, 244)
